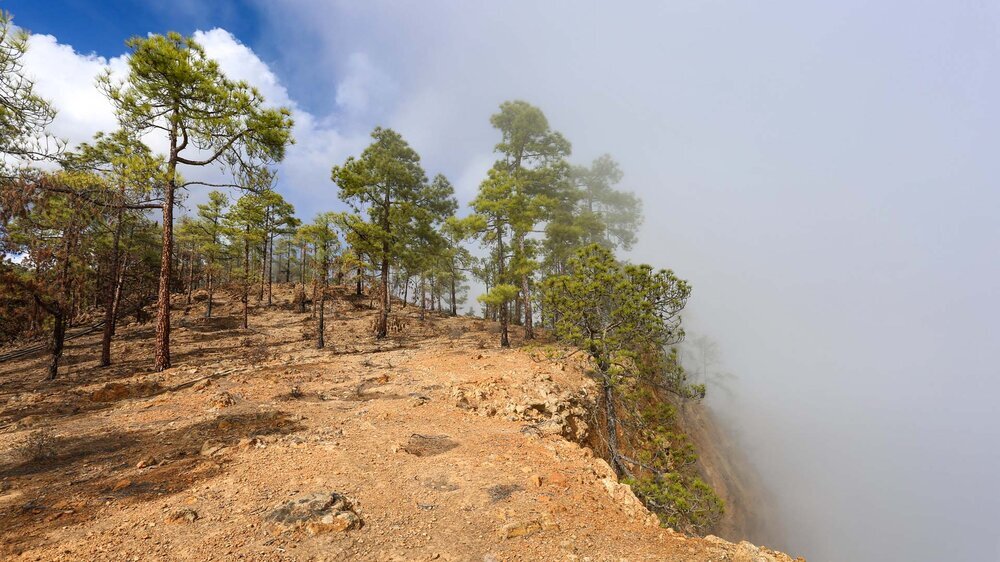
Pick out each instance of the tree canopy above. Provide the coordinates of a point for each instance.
(24, 115)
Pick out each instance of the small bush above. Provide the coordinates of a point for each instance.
(682, 502)
(36, 446)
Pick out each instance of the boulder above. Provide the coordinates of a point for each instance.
(317, 513)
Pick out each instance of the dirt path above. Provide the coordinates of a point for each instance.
(443, 446)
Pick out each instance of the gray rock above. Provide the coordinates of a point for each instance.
(317, 513)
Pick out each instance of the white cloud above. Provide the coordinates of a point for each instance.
(239, 62)
(68, 80)
(365, 88)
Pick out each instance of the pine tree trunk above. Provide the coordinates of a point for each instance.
(288, 265)
(211, 291)
(246, 280)
(58, 339)
(120, 289)
(611, 415)
(423, 297)
(190, 277)
(111, 291)
(454, 303)
(315, 296)
(270, 267)
(162, 358)
(322, 306)
(302, 264)
(383, 316)
(504, 306)
(263, 272)
(529, 329)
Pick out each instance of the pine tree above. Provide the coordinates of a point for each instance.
(133, 176)
(279, 215)
(322, 232)
(520, 192)
(610, 217)
(244, 225)
(210, 224)
(24, 115)
(54, 232)
(387, 184)
(174, 89)
(624, 317)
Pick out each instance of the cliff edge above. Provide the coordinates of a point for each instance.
(432, 445)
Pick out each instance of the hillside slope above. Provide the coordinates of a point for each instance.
(433, 445)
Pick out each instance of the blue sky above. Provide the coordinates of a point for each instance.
(102, 27)
(824, 173)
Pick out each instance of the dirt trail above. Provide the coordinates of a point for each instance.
(435, 445)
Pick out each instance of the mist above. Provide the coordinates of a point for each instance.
(824, 174)
(825, 177)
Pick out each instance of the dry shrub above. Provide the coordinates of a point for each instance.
(254, 350)
(114, 391)
(35, 446)
(256, 354)
(397, 323)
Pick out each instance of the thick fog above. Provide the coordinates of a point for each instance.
(824, 173)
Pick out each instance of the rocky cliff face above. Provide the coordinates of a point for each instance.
(726, 468)
(435, 445)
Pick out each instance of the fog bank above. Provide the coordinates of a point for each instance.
(825, 175)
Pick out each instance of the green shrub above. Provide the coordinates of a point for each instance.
(682, 502)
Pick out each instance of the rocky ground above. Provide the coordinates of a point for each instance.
(432, 445)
